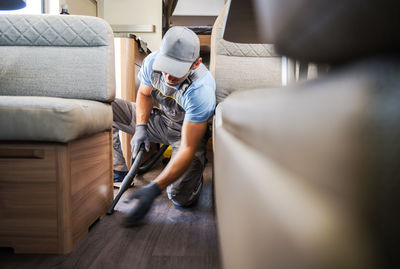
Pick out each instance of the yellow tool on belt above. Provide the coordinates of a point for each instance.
(168, 152)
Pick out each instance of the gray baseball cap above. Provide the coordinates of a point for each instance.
(180, 47)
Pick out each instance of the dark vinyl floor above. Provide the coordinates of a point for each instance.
(171, 237)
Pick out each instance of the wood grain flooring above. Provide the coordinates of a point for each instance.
(170, 237)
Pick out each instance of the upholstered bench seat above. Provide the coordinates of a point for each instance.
(57, 82)
(53, 119)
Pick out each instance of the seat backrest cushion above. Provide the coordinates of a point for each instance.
(57, 56)
(238, 67)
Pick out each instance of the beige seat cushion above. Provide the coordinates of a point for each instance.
(35, 118)
(312, 131)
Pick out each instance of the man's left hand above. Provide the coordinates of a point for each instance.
(145, 198)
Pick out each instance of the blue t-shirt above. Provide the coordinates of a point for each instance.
(199, 98)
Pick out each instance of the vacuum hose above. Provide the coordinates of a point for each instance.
(126, 183)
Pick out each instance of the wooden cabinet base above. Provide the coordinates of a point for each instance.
(50, 193)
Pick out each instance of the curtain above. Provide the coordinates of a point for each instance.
(168, 9)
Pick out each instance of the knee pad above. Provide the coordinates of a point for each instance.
(182, 196)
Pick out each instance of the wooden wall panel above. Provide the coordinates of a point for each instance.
(131, 61)
(64, 215)
(91, 182)
(205, 40)
(47, 203)
(28, 212)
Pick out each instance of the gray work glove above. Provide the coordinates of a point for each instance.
(138, 138)
(145, 198)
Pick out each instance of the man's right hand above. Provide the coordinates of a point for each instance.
(140, 137)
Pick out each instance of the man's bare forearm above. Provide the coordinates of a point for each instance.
(144, 104)
(175, 168)
(192, 133)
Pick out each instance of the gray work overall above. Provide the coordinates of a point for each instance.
(164, 126)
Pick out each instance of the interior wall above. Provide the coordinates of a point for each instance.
(193, 20)
(130, 12)
(52, 7)
(199, 8)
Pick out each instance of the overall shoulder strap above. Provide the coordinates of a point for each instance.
(194, 76)
(198, 72)
(156, 74)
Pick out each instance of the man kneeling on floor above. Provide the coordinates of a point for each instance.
(174, 77)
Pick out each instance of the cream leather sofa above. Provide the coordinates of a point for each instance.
(56, 85)
(306, 175)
